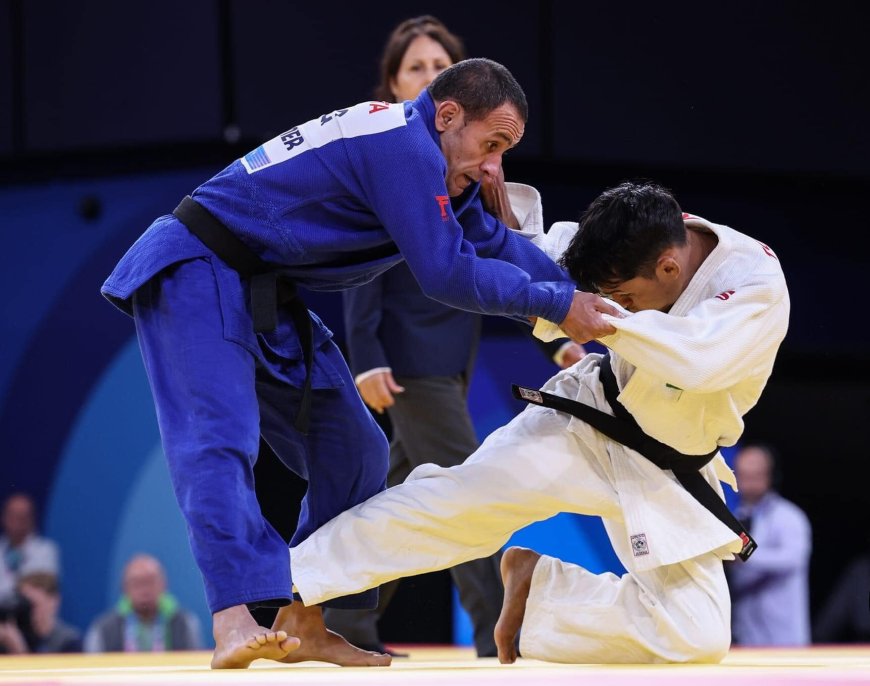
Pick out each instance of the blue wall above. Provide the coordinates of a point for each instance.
(76, 416)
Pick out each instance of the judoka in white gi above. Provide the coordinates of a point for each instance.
(705, 310)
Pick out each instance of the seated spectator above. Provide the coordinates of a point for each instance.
(22, 550)
(147, 618)
(770, 591)
(36, 627)
(844, 618)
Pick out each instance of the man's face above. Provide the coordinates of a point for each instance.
(641, 293)
(18, 521)
(144, 583)
(753, 471)
(475, 148)
(423, 60)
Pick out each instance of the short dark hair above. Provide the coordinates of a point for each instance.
(622, 233)
(46, 581)
(399, 40)
(479, 85)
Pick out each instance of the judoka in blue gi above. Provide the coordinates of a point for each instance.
(328, 205)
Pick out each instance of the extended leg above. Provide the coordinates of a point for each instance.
(524, 472)
(209, 424)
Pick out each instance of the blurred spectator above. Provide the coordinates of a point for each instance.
(845, 616)
(22, 551)
(147, 618)
(35, 627)
(770, 592)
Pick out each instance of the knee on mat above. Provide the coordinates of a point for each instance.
(711, 644)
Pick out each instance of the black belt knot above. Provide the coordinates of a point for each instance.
(269, 288)
(624, 429)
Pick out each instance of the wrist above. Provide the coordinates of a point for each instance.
(359, 378)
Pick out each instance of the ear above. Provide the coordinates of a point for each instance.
(447, 114)
(668, 268)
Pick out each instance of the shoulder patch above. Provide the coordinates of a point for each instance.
(360, 120)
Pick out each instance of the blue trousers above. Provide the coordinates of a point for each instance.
(214, 398)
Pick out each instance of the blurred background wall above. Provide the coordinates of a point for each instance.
(755, 114)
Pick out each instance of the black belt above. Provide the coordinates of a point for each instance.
(269, 288)
(623, 429)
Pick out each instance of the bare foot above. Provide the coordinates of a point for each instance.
(239, 640)
(319, 643)
(517, 566)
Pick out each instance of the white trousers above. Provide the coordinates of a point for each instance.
(529, 470)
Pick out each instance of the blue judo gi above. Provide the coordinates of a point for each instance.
(332, 203)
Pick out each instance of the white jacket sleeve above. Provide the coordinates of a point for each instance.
(720, 341)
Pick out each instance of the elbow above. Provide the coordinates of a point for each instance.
(436, 289)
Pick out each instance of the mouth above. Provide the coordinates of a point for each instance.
(462, 182)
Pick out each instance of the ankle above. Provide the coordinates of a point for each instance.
(296, 617)
(230, 618)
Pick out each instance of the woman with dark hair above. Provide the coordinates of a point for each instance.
(409, 62)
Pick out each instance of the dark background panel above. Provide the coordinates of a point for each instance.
(749, 86)
(105, 74)
(292, 62)
(6, 77)
(514, 35)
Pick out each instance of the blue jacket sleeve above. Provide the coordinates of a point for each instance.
(492, 239)
(362, 317)
(401, 174)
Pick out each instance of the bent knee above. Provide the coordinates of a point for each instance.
(710, 645)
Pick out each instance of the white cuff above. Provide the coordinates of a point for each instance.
(559, 355)
(547, 331)
(359, 378)
(557, 239)
(526, 204)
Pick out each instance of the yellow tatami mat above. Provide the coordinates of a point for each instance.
(444, 666)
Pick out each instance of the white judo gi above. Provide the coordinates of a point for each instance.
(688, 377)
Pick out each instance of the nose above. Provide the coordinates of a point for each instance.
(430, 74)
(491, 164)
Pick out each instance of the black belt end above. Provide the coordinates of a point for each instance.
(529, 395)
(749, 546)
